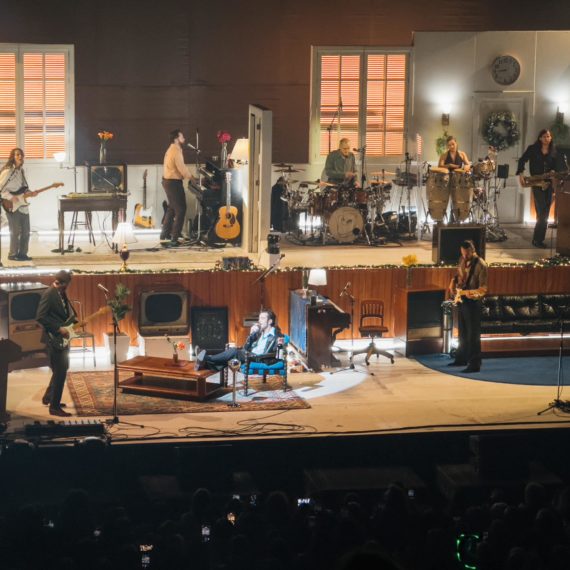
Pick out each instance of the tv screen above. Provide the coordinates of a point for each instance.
(164, 312)
(24, 306)
(107, 178)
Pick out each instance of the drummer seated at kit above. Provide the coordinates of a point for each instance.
(454, 158)
(340, 167)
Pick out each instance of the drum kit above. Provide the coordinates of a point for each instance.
(324, 213)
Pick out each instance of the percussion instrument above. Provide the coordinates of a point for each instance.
(330, 198)
(461, 184)
(437, 189)
(408, 222)
(282, 165)
(381, 173)
(288, 170)
(345, 224)
(484, 168)
(361, 196)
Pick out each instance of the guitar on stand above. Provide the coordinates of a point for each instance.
(227, 226)
(19, 198)
(143, 215)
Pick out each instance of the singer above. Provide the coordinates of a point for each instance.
(174, 173)
(262, 341)
(54, 311)
(340, 167)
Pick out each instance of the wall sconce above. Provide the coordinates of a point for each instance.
(445, 119)
(559, 116)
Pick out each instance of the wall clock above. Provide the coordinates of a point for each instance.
(505, 69)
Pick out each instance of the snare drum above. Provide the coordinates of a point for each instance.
(437, 189)
(330, 199)
(461, 183)
(361, 196)
(345, 224)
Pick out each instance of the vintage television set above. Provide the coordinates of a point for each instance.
(106, 178)
(18, 306)
(164, 310)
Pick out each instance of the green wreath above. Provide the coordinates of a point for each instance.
(501, 130)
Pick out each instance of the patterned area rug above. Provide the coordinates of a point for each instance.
(92, 394)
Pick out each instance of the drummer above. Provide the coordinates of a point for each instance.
(454, 158)
(340, 167)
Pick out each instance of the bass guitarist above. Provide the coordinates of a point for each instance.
(54, 311)
(469, 286)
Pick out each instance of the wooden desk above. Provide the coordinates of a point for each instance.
(154, 376)
(90, 203)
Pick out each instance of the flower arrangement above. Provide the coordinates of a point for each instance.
(117, 303)
(409, 260)
(224, 137)
(501, 130)
(104, 137)
(176, 346)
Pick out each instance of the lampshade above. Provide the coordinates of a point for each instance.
(124, 234)
(59, 157)
(241, 150)
(317, 277)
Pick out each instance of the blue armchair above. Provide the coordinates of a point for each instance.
(274, 363)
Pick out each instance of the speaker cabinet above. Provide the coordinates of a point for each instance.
(447, 240)
(18, 306)
(563, 232)
(420, 320)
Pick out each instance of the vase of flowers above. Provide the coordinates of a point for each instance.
(104, 137)
(408, 261)
(176, 346)
(224, 138)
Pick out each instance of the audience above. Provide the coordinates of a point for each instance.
(277, 533)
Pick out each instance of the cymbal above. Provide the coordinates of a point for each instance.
(323, 183)
(382, 173)
(283, 165)
(311, 182)
(288, 170)
(384, 182)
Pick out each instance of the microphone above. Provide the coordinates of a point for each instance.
(103, 288)
(343, 292)
(191, 146)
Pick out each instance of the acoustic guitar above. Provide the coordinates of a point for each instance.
(59, 342)
(19, 198)
(227, 227)
(143, 215)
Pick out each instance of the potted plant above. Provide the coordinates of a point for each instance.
(119, 308)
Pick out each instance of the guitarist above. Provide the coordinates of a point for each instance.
(12, 180)
(54, 311)
(471, 278)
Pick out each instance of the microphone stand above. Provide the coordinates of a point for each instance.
(334, 118)
(261, 279)
(197, 150)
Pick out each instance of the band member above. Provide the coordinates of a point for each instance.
(54, 311)
(471, 279)
(262, 339)
(454, 158)
(174, 173)
(542, 157)
(12, 180)
(340, 166)
(279, 211)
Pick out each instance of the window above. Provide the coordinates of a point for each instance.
(36, 100)
(360, 94)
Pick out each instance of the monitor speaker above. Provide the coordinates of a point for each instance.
(447, 240)
(503, 171)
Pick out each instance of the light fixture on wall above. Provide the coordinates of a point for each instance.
(559, 115)
(445, 119)
(60, 157)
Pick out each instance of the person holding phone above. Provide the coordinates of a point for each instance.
(262, 339)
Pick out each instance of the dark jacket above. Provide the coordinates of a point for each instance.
(271, 346)
(51, 313)
(540, 163)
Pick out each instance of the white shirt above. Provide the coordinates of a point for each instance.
(263, 341)
(11, 180)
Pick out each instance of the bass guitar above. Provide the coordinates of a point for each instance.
(227, 227)
(59, 342)
(19, 198)
(143, 215)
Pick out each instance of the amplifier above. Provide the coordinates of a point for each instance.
(448, 237)
(68, 428)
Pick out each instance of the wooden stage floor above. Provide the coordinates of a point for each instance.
(401, 398)
(148, 254)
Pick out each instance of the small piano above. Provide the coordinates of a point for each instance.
(313, 328)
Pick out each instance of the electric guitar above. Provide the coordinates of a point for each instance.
(18, 199)
(227, 226)
(59, 342)
(469, 293)
(143, 215)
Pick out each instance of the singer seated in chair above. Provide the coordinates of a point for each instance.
(260, 344)
(340, 167)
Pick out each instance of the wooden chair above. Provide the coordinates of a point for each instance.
(372, 326)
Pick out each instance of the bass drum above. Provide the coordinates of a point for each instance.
(437, 189)
(345, 224)
(461, 194)
(408, 224)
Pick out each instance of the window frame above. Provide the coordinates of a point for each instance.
(314, 127)
(69, 50)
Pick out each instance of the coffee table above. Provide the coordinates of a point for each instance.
(154, 376)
